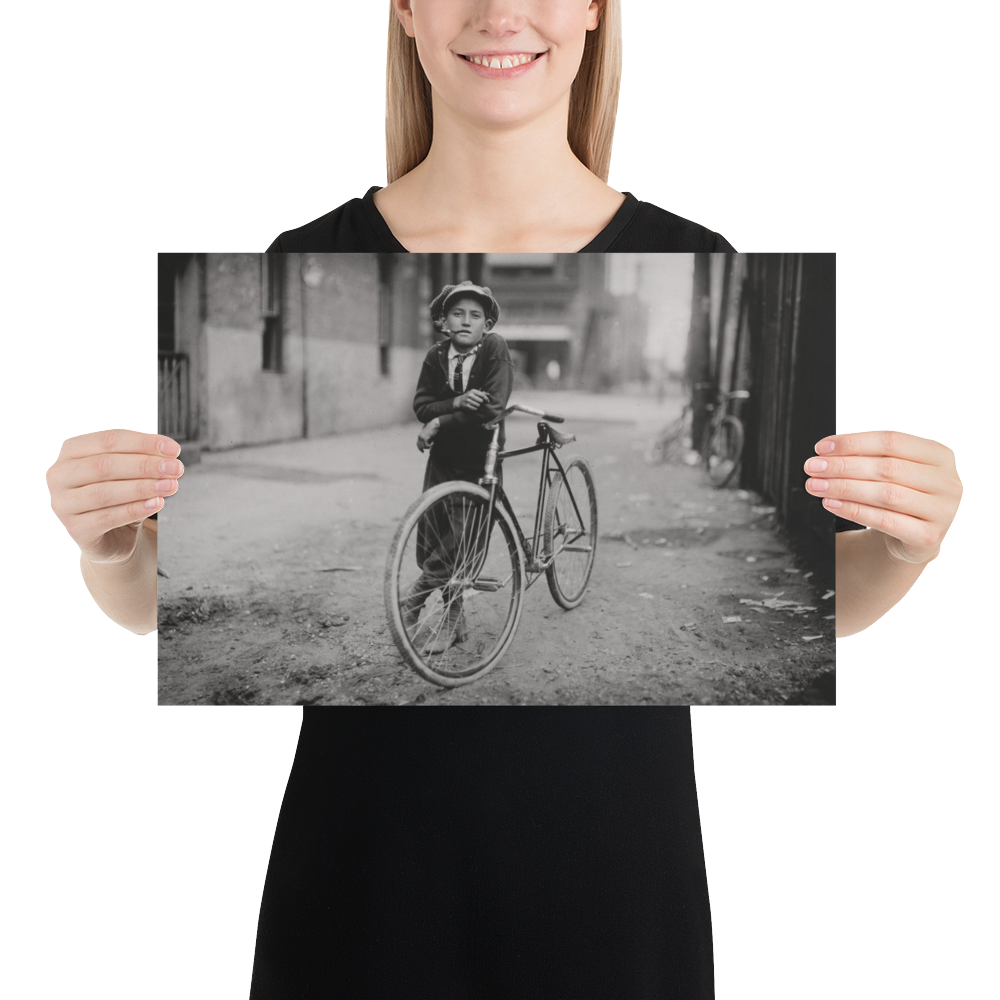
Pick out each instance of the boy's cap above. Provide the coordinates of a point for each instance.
(440, 304)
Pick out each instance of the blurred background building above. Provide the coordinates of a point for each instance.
(767, 323)
(256, 348)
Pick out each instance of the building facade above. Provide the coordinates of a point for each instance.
(259, 348)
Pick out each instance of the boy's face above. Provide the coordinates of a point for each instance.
(465, 323)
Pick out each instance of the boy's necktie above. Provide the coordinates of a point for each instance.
(456, 382)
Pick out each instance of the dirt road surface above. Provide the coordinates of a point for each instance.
(276, 556)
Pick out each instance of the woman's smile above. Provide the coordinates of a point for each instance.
(500, 65)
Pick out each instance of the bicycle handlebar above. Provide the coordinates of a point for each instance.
(524, 409)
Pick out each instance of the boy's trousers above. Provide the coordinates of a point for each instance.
(455, 532)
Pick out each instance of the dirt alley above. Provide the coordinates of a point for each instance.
(276, 556)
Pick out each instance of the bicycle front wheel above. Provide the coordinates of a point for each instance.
(570, 532)
(723, 451)
(454, 584)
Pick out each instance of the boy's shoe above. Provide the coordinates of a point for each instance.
(453, 630)
(412, 603)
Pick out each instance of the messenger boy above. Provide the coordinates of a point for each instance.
(465, 383)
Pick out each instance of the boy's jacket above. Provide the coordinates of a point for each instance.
(462, 442)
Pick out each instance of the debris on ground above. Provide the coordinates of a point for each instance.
(777, 604)
(621, 536)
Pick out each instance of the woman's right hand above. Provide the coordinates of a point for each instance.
(104, 485)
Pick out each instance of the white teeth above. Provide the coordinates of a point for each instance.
(495, 62)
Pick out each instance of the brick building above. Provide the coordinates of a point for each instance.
(258, 348)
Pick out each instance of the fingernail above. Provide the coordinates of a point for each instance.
(825, 447)
(816, 465)
(152, 503)
(170, 468)
(169, 447)
(165, 485)
(818, 485)
(831, 503)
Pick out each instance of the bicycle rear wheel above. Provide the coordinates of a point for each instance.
(723, 450)
(570, 533)
(454, 584)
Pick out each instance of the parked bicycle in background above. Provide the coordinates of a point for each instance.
(721, 447)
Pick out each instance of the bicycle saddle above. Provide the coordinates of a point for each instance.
(559, 438)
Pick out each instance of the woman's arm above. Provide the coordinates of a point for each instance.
(869, 580)
(126, 591)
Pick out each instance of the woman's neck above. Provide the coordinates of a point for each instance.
(498, 190)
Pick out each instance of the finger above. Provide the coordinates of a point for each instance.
(886, 443)
(119, 441)
(925, 478)
(885, 496)
(79, 472)
(89, 528)
(912, 531)
(100, 496)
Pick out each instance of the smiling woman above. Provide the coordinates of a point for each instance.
(499, 122)
(576, 45)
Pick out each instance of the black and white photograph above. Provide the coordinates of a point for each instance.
(496, 479)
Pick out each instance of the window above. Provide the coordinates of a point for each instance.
(168, 266)
(272, 274)
(385, 286)
(521, 265)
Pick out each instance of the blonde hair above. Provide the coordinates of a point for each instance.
(593, 99)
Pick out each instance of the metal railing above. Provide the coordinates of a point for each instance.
(174, 410)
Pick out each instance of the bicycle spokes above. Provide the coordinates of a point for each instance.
(458, 555)
(570, 533)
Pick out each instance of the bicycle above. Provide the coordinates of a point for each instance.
(723, 446)
(460, 564)
(676, 439)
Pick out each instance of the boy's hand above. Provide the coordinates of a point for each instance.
(471, 400)
(906, 487)
(104, 485)
(426, 435)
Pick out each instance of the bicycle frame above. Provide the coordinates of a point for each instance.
(720, 407)
(491, 482)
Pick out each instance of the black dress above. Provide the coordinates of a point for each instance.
(638, 227)
(488, 854)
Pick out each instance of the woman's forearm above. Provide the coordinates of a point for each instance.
(869, 580)
(126, 592)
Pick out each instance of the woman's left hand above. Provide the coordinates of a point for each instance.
(903, 486)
